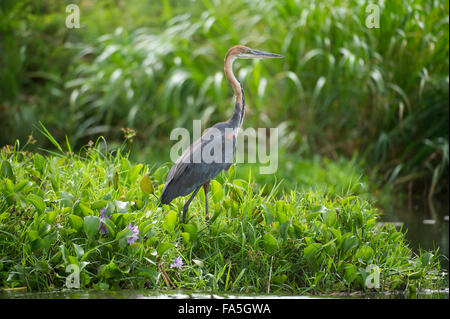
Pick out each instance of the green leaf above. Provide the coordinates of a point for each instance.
(350, 272)
(282, 218)
(395, 236)
(217, 191)
(79, 251)
(123, 235)
(270, 243)
(47, 134)
(170, 221)
(33, 234)
(110, 226)
(186, 238)
(66, 199)
(349, 243)
(22, 185)
(99, 204)
(133, 173)
(283, 228)
(50, 216)
(37, 202)
(64, 253)
(149, 272)
(217, 211)
(76, 222)
(147, 185)
(85, 210)
(121, 207)
(192, 230)
(39, 162)
(43, 266)
(329, 217)
(91, 225)
(7, 171)
(116, 180)
(310, 252)
(44, 229)
(110, 270)
(426, 258)
(163, 247)
(231, 172)
(160, 173)
(280, 279)
(316, 211)
(268, 215)
(416, 275)
(364, 253)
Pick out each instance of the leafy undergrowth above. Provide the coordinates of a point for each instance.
(100, 214)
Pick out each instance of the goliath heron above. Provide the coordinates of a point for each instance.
(188, 175)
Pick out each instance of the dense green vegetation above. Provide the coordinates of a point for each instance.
(101, 213)
(343, 89)
(359, 111)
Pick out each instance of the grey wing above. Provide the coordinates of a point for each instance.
(194, 168)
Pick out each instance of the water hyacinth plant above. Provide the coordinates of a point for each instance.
(135, 231)
(178, 263)
(291, 242)
(103, 228)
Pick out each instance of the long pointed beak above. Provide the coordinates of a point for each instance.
(264, 55)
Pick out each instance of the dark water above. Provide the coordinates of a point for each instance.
(425, 223)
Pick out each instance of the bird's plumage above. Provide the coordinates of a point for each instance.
(214, 151)
(186, 174)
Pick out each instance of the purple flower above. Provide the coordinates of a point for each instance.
(177, 263)
(103, 229)
(131, 239)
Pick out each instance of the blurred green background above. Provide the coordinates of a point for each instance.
(352, 103)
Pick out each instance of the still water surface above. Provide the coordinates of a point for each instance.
(425, 223)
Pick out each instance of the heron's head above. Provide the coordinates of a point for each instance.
(243, 52)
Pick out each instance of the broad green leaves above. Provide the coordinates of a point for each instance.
(170, 221)
(37, 202)
(7, 171)
(76, 222)
(91, 225)
(349, 242)
(163, 247)
(217, 191)
(311, 251)
(94, 219)
(270, 243)
(146, 185)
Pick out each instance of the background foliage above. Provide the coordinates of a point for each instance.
(344, 91)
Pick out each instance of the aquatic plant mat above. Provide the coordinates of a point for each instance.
(95, 222)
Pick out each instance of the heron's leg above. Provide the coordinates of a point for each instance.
(186, 206)
(206, 188)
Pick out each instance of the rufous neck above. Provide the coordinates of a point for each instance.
(228, 68)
